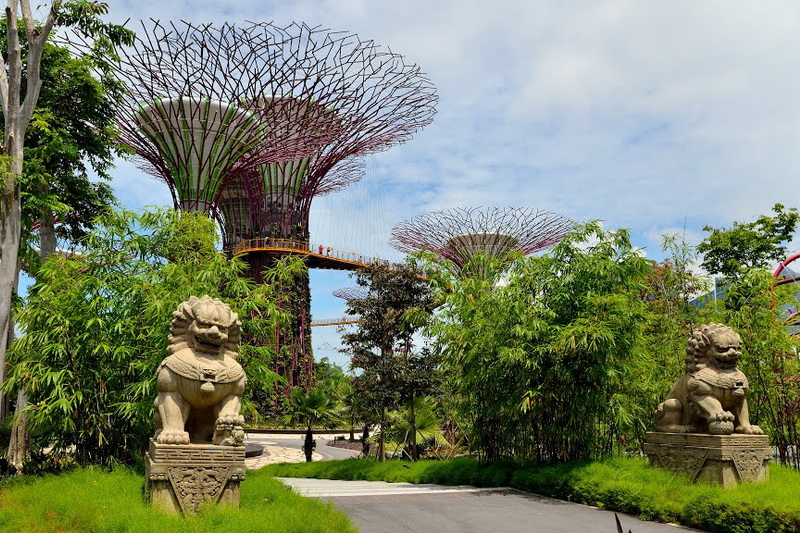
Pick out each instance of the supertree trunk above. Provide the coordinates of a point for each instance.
(294, 353)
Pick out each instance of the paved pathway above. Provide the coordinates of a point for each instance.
(288, 448)
(378, 507)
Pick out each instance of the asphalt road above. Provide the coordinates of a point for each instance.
(378, 507)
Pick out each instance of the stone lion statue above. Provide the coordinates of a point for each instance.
(710, 396)
(200, 383)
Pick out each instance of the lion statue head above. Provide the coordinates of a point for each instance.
(207, 325)
(713, 346)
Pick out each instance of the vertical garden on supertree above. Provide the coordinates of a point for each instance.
(250, 123)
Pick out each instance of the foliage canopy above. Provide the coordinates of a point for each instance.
(95, 329)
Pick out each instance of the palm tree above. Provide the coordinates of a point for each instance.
(419, 420)
(310, 408)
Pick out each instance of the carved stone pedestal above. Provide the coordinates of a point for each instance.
(723, 459)
(182, 477)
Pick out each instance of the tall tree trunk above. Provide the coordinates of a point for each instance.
(382, 437)
(413, 421)
(10, 215)
(4, 402)
(47, 231)
(19, 444)
(17, 111)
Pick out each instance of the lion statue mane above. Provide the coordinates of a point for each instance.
(711, 396)
(200, 383)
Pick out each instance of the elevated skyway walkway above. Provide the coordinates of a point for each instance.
(317, 255)
(336, 321)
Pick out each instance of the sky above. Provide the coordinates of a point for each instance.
(653, 116)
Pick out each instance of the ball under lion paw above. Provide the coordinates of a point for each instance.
(721, 424)
(229, 431)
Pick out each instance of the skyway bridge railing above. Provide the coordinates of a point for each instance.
(336, 321)
(306, 248)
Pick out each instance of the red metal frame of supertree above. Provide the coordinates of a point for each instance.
(380, 101)
(457, 234)
(377, 101)
(174, 72)
(792, 319)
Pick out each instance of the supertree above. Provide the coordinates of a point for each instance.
(351, 293)
(378, 101)
(458, 234)
(250, 123)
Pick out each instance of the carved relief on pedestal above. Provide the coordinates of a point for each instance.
(749, 464)
(196, 485)
(689, 460)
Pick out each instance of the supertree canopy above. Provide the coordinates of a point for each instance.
(787, 273)
(351, 293)
(458, 234)
(207, 104)
(377, 101)
(284, 111)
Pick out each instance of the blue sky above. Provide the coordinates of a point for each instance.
(652, 116)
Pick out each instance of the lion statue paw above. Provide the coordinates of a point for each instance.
(173, 437)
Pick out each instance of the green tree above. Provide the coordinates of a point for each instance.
(21, 82)
(71, 132)
(536, 362)
(769, 357)
(96, 328)
(757, 309)
(735, 251)
(418, 420)
(398, 302)
(42, 84)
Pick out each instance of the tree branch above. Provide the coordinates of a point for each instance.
(36, 43)
(4, 86)
(14, 66)
(27, 17)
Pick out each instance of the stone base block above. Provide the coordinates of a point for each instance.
(182, 477)
(723, 459)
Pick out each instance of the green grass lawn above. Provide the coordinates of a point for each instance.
(620, 484)
(96, 500)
